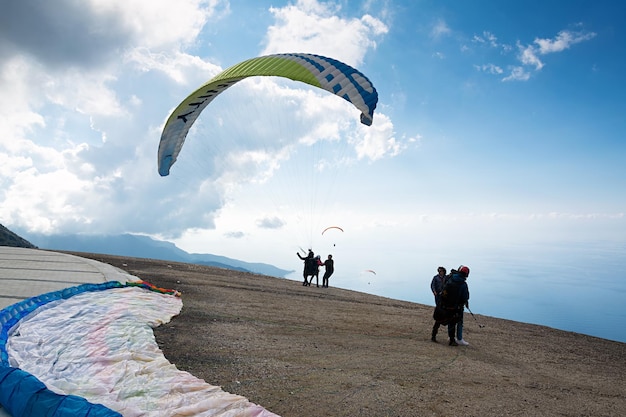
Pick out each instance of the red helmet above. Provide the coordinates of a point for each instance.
(464, 270)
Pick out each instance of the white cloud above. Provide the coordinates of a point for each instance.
(489, 68)
(75, 128)
(235, 235)
(440, 29)
(43, 192)
(158, 23)
(17, 116)
(563, 40)
(270, 223)
(91, 33)
(487, 38)
(185, 69)
(517, 74)
(529, 54)
(377, 141)
(313, 27)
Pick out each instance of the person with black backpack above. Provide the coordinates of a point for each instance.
(454, 298)
(308, 262)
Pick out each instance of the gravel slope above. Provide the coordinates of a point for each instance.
(307, 351)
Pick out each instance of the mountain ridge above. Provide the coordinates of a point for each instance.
(137, 246)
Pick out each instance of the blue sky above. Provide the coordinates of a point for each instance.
(498, 124)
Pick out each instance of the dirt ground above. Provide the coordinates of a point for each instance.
(308, 351)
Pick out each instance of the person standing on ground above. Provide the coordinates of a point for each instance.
(307, 265)
(436, 286)
(455, 296)
(329, 264)
(315, 270)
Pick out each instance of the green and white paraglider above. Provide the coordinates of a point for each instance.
(322, 72)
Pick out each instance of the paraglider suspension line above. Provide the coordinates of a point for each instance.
(479, 325)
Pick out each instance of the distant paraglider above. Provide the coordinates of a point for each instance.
(367, 272)
(331, 227)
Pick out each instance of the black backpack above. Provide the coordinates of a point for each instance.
(311, 266)
(451, 294)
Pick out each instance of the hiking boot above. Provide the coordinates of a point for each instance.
(453, 343)
(462, 342)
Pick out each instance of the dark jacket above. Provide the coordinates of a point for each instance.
(459, 279)
(310, 264)
(459, 292)
(330, 265)
(436, 285)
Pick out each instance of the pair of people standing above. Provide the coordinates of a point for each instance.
(451, 297)
(312, 264)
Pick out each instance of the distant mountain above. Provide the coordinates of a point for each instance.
(8, 238)
(138, 246)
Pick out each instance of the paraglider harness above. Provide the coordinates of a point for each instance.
(312, 265)
(449, 309)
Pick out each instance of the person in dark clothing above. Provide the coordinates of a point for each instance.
(461, 300)
(329, 264)
(436, 286)
(314, 270)
(307, 265)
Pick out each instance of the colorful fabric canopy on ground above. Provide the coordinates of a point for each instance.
(95, 351)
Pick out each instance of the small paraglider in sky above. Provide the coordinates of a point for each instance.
(331, 227)
(368, 272)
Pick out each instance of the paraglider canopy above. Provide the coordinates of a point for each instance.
(332, 227)
(322, 72)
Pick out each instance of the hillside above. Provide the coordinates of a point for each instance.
(8, 238)
(307, 351)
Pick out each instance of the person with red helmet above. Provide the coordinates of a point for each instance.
(458, 299)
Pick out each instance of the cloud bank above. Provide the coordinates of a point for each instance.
(80, 118)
